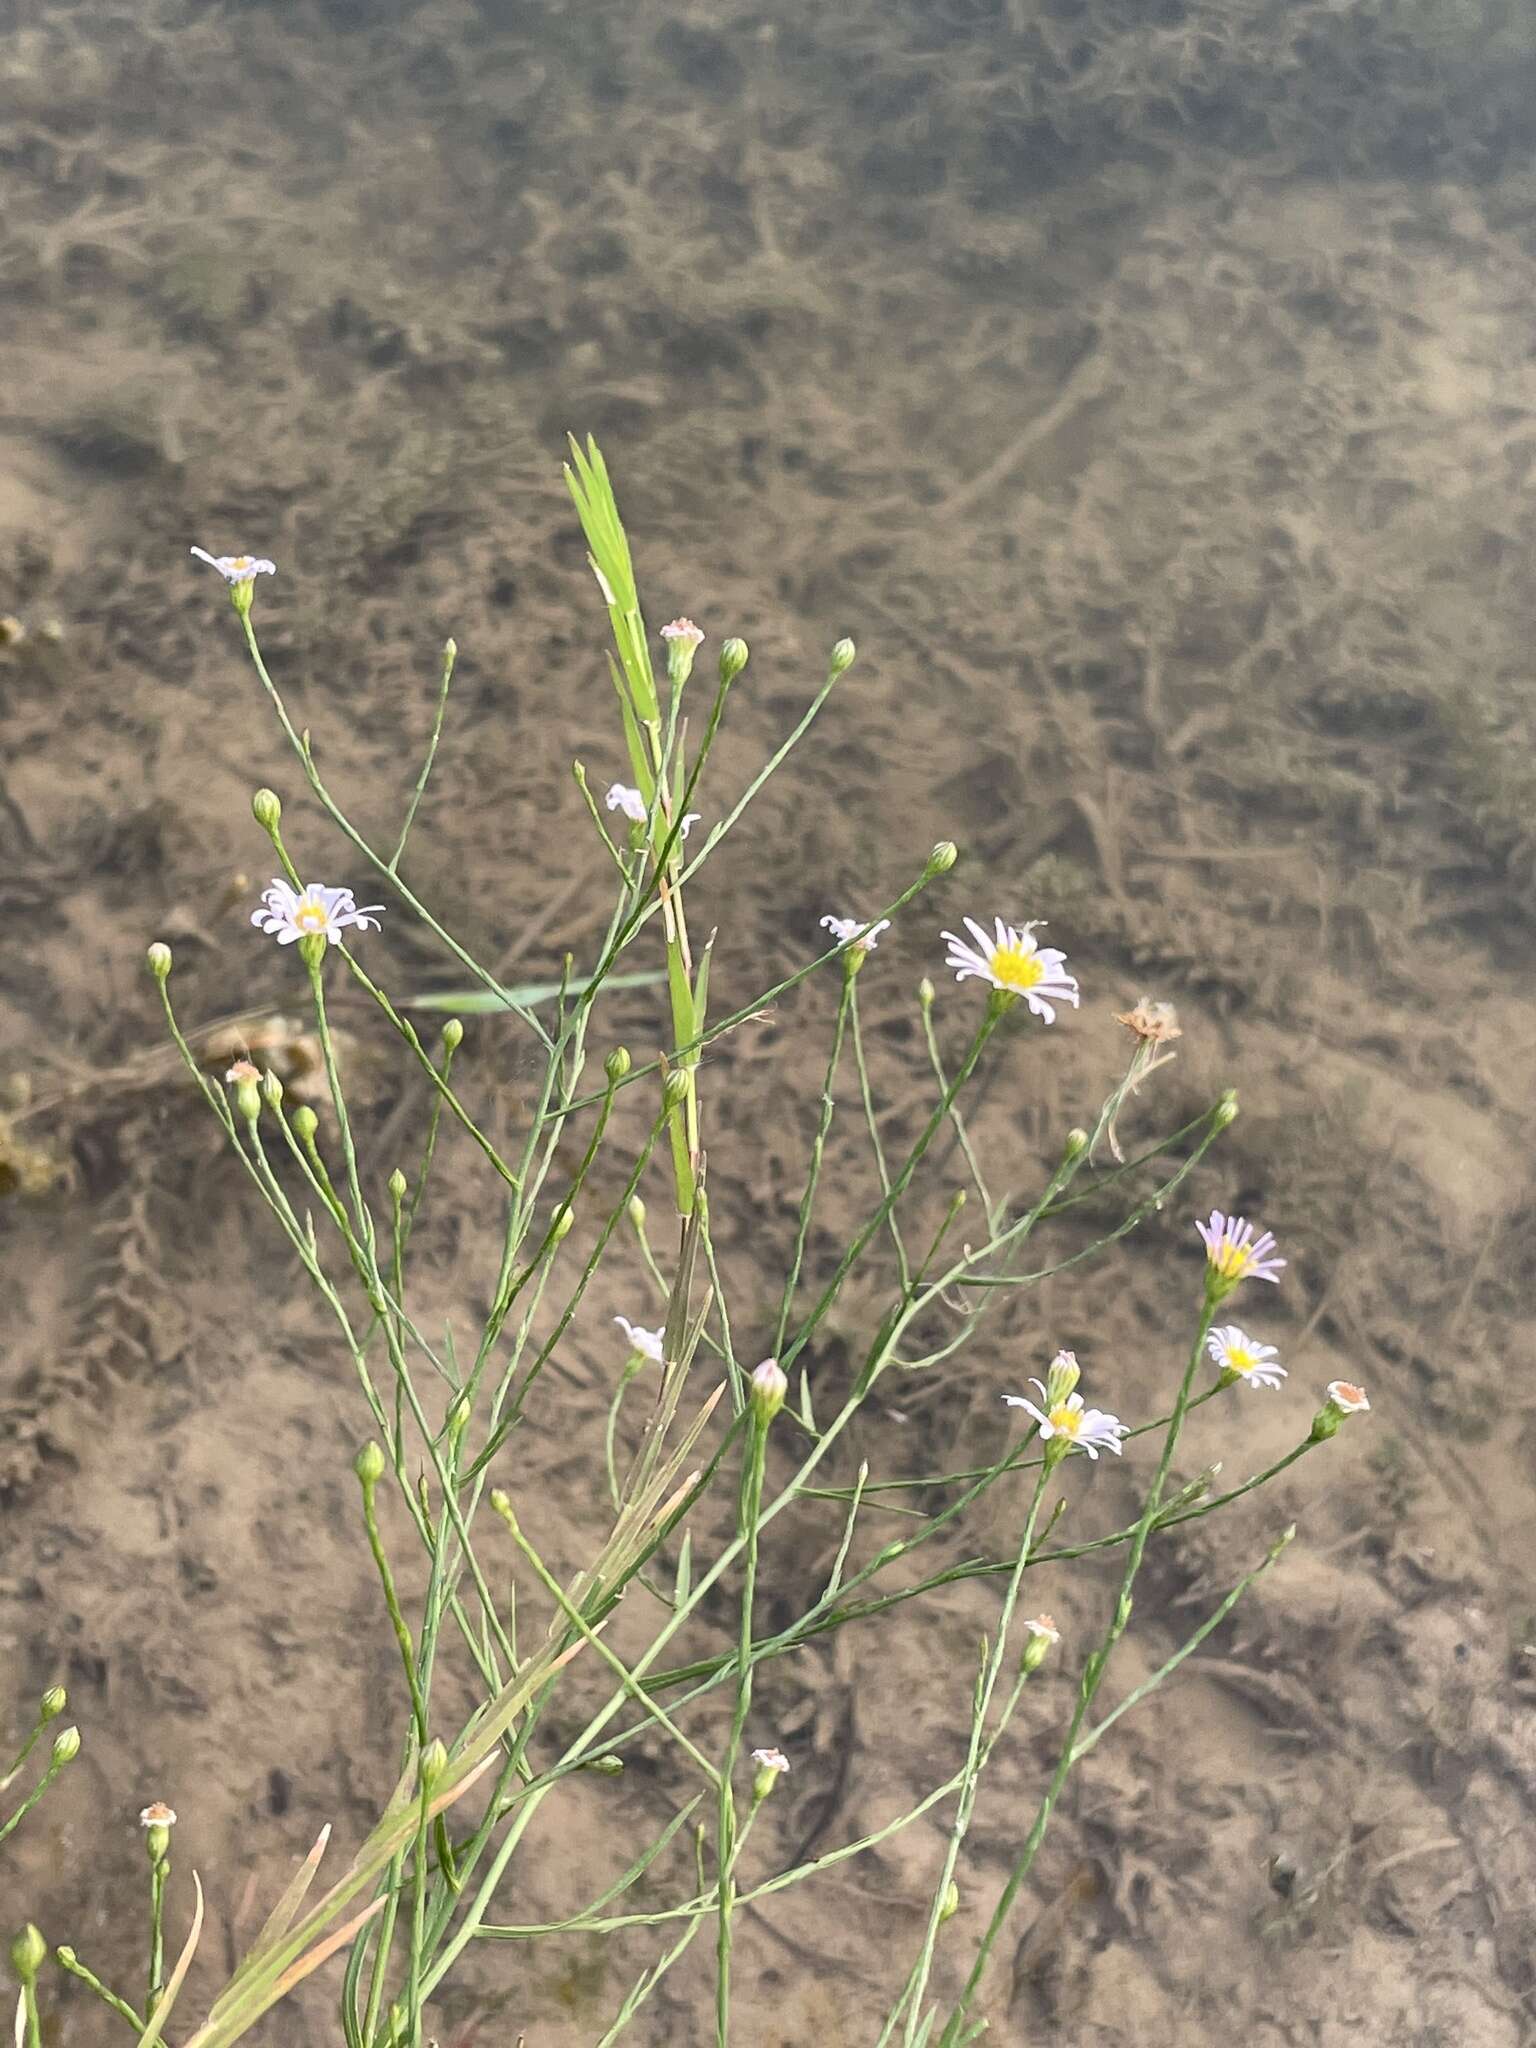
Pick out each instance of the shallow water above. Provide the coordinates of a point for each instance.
(1150, 392)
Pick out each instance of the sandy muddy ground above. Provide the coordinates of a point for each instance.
(1156, 405)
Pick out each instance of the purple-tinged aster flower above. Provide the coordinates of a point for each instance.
(1347, 1397)
(683, 630)
(1241, 1355)
(1079, 1428)
(237, 568)
(621, 797)
(771, 1760)
(312, 912)
(646, 1343)
(1235, 1251)
(1014, 964)
(851, 931)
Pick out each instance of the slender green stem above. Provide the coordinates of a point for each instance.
(450, 653)
(68, 1961)
(813, 1176)
(751, 1504)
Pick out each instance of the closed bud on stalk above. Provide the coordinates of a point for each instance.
(634, 1209)
(159, 959)
(434, 1761)
(52, 1703)
(617, 1064)
(1061, 1380)
(674, 1092)
(397, 1186)
(1077, 1141)
(925, 993)
(844, 654)
(769, 1386)
(66, 1746)
(734, 656)
(562, 1226)
(1226, 1110)
(29, 1952)
(942, 859)
(606, 1766)
(267, 810)
(369, 1466)
(453, 1035)
(305, 1124)
(951, 1905)
(271, 1090)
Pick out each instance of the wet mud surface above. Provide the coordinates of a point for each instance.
(1153, 400)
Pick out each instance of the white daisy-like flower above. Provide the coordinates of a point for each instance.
(849, 931)
(157, 1815)
(1347, 1397)
(1236, 1352)
(621, 797)
(237, 568)
(647, 1342)
(770, 1760)
(1012, 962)
(1081, 1429)
(312, 912)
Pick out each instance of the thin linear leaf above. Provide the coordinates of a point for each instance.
(479, 1002)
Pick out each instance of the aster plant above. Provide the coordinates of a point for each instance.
(730, 1443)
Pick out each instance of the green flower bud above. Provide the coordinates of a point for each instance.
(29, 1952)
(674, 1092)
(769, 1386)
(771, 1766)
(271, 1090)
(52, 1703)
(305, 1124)
(607, 1766)
(562, 1226)
(65, 1957)
(842, 657)
(634, 1209)
(159, 960)
(267, 810)
(434, 1761)
(951, 1905)
(453, 1035)
(369, 1466)
(942, 859)
(617, 1064)
(683, 640)
(1226, 1110)
(1077, 1141)
(66, 1746)
(397, 1187)
(734, 656)
(1061, 1380)
(925, 993)
(1043, 1633)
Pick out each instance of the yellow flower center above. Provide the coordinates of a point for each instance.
(1066, 1421)
(240, 563)
(311, 917)
(1231, 1260)
(1240, 1360)
(1017, 967)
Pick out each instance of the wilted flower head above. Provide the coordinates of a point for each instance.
(621, 797)
(242, 1072)
(1154, 1022)
(1013, 963)
(1241, 1355)
(312, 912)
(1078, 1428)
(647, 1342)
(1347, 1397)
(683, 630)
(850, 931)
(237, 568)
(771, 1760)
(1234, 1252)
(1043, 1626)
(157, 1815)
